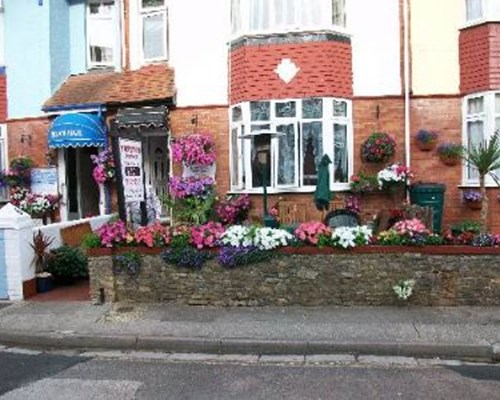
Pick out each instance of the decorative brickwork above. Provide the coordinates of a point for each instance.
(480, 58)
(325, 70)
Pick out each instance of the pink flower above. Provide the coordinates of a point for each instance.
(310, 232)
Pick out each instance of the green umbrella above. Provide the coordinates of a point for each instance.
(322, 195)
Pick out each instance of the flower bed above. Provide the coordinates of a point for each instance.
(308, 276)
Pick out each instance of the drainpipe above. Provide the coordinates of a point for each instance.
(406, 79)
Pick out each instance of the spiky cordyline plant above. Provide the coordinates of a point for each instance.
(485, 157)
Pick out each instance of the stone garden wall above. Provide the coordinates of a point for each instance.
(339, 278)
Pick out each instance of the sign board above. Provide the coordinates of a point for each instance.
(44, 180)
(199, 171)
(131, 169)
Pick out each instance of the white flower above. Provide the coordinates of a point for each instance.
(404, 289)
(346, 236)
(263, 238)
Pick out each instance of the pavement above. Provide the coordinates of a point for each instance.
(464, 333)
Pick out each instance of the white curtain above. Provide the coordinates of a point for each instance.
(235, 16)
(474, 9)
(312, 13)
(475, 136)
(284, 13)
(154, 36)
(259, 14)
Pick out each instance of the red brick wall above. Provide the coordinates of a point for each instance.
(3, 98)
(213, 120)
(325, 70)
(34, 128)
(480, 58)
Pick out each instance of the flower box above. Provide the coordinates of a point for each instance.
(474, 205)
(449, 160)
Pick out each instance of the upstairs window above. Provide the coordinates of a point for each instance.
(477, 11)
(101, 33)
(153, 16)
(263, 16)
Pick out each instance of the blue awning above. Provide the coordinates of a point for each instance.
(77, 130)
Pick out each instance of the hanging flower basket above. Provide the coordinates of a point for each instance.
(449, 160)
(426, 140)
(450, 153)
(474, 205)
(378, 148)
(473, 199)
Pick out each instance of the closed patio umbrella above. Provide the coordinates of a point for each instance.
(322, 195)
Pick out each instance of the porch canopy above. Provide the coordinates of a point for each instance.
(77, 130)
(145, 119)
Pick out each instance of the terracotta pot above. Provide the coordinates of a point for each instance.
(449, 160)
(474, 205)
(426, 146)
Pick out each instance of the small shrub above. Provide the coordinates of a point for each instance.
(91, 241)
(68, 263)
(230, 257)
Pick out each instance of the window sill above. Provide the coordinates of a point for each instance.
(480, 21)
(285, 190)
(476, 185)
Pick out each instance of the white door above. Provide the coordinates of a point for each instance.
(156, 165)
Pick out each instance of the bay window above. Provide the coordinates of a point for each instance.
(153, 17)
(309, 128)
(481, 120)
(481, 10)
(102, 33)
(261, 16)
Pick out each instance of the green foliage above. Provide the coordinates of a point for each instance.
(185, 257)
(67, 262)
(128, 263)
(192, 210)
(91, 241)
(465, 226)
(434, 240)
(485, 157)
(40, 246)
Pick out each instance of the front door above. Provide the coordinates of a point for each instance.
(157, 165)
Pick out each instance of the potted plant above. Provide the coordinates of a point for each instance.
(378, 148)
(40, 246)
(426, 139)
(450, 153)
(67, 264)
(473, 199)
(363, 183)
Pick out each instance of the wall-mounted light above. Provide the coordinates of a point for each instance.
(26, 138)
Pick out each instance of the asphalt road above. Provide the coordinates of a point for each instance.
(52, 376)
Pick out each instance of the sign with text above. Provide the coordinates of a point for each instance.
(44, 180)
(131, 169)
(199, 171)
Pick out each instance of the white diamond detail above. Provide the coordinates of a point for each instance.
(287, 70)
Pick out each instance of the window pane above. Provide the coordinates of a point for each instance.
(474, 9)
(259, 14)
(101, 40)
(475, 106)
(154, 36)
(101, 7)
(312, 151)
(312, 108)
(261, 160)
(152, 3)
(284, 13)
(475, 136)
(260, 110)
(286, 110)
(339, 108)
(497, 104)
(340, 154)
(338, 13)
(286, 155)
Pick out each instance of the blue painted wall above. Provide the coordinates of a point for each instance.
(26, 56)
(44, 44)
(3, 268)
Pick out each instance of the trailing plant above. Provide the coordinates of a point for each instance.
(127, 263)
(194, 149)
(426, 136)
(104, 167)
(231, 257)
(185, 257)
(40, 246)
(472, 196)
(404, 288)
(363, 183)
(393, 174)
(67, 262)
(233, 209)
(19, 172)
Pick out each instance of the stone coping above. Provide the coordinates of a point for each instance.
(312, 250)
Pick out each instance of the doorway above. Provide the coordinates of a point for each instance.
(82, 197)
(156, 166)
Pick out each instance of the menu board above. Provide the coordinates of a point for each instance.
(131, 169)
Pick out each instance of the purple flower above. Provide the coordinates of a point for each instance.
(472, 195)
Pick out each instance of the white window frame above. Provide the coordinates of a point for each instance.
(243, 28)
(4, 162)
(148, 12)
(243, 156)
(488, 12)
(114, 18)
(488, 117)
